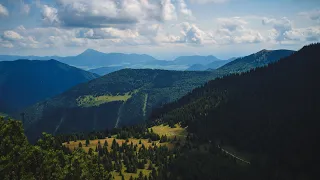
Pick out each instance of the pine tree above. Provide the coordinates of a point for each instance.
(87, 142)
(150, 166)
(80, 145)
(141, 175)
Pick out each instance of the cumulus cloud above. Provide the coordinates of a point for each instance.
(11, 36)
(107, 13)
(50, 15)
(235, 30)
(168, 10)
(284, 32)
(3, 11)
(232, 24)
(184, 10)
(281, 27)
(10, 39)
(190, 34)
(249, 36)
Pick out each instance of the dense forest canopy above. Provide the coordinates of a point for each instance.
(259, 124)
(25, 82)
(269, 112)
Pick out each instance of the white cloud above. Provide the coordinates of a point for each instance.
(168, 10)
(190, 34)
(280, 27)
(108, 13)
(208, 1)
(14, 39)
(234, 30)
(11, 36)
(184, 10)
(110, 33)
(284, 32)
(3, 11)
(232, 24)
(50, 15)
(249, 36)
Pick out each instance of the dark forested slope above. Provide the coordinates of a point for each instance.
(25, 82)
(270, 113)
(121, 98)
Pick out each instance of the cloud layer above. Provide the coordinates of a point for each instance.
(145, 24)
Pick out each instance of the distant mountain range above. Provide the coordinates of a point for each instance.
(106, 70)
(25, 82)
(211, 66)
(106, 62)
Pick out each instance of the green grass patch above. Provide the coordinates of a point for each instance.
(177, 131)
(90, 100)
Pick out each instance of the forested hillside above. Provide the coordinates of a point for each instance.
(109, 159)
(259, 59)
(125, 97)
(268, 113)
(24, 82)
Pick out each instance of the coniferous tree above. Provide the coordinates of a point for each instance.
(87, 142)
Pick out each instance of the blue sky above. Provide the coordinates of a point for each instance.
(162, 28)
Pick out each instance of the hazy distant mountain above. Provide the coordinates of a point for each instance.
(24, 82)
(258, 59)
(92, 58)
(211, 66)
(106, 70)
(14, 57)
(197, 67)
(191, 60)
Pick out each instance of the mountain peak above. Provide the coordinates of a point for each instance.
(263, 51)
(90, 51)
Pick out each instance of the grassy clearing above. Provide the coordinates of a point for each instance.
(94, 143)
(178, 131)
(89, 100)
(162, 130)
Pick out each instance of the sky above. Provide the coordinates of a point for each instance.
(164, 29)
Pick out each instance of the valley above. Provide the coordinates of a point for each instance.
(159, 89)
(158, 124)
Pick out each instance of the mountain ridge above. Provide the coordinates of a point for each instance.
(39, 80)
